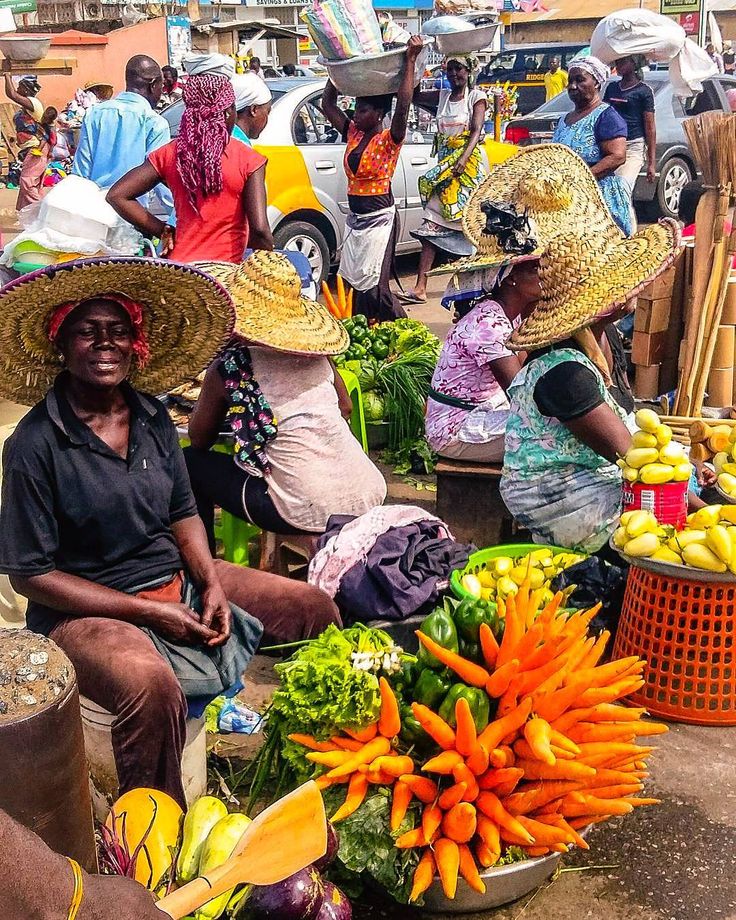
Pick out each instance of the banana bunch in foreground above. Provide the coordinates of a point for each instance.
(654, 458)
(708, 541)
(725, 464)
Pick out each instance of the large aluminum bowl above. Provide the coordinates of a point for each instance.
(25, 48)
(373, 74)
(503, 885)
(449, 43)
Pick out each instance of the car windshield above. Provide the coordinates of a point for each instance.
(563, 103)
(527, 61)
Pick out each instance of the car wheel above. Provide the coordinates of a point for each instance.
(299, 236)
(675, 175)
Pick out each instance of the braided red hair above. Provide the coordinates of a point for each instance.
(203, 134)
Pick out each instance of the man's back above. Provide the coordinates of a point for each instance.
(117, 135)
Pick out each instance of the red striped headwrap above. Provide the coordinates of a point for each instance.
(203, 134)
(134, 310)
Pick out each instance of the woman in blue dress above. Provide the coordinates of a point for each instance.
(597, 133)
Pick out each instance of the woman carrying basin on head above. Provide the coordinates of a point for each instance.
(371, 157)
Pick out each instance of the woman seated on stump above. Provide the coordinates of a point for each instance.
(296, 461)
(98, 525)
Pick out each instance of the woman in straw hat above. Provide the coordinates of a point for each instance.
(218, 183)
(570, 403)
(296, 461)
(98, 525)
(597, 133)
(552, 191)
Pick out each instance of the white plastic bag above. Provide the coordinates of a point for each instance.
(659, 39)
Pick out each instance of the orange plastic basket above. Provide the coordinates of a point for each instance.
(686, 631)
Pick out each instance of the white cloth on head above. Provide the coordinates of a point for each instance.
(249, 90)
(599, 71)
(197, 64)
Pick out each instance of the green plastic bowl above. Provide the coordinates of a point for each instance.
(479, 561)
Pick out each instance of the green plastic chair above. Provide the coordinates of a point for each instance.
(357, 419)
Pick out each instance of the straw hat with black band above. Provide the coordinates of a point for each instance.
(187, 318)
(585, 278)
(550, 188)
(270, 309)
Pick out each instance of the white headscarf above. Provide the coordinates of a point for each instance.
(196, 64)
(592, 65)
(249, 90)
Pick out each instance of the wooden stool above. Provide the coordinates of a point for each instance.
(280, 553)
(469, 502)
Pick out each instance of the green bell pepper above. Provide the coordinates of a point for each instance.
(379, 349)
(477, 700)
(469, 615)
(407, 676)
(412, 732)
(470, 650)
(431, 688)
(439, 626)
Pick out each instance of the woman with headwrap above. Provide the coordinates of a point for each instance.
(252, 105)
(446, 188)
(597, 133)
(218, 183)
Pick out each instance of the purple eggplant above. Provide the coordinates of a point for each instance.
(298, 897)
(333, 844)
(335, 906)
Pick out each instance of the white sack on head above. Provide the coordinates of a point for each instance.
(196, 63)
(659, 39)
(249, 90)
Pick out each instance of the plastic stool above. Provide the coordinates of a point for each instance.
(357, 418)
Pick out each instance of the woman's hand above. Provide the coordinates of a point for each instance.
(414, 47)
(168, 239)
(651, 172)
(459, 168)
(179, 623)
(216, 613)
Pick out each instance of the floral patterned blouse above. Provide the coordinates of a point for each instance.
(464, 370)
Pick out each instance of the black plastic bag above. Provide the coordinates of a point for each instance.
(596, 580)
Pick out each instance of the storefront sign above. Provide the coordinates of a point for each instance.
(669, 7)
(690, 22)
(19, 6)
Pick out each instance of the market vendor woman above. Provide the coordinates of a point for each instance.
(569, 406)
(98, 525)
(371, 158)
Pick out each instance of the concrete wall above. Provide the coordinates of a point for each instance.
(103, 58)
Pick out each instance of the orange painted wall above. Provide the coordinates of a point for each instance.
(100, 61)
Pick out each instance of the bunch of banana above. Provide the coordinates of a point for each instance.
(708, 541)
(504, 574)
(725, 464)
(654, 458)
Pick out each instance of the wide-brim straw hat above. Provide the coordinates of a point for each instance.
(555, 188)
(585, 278)
(187, 318)
(271, 310)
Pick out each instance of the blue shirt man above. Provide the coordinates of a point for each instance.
(117, 135)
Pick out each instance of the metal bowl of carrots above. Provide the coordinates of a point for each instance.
(503, 885)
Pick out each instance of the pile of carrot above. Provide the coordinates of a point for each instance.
(559, 755)
(341, 307)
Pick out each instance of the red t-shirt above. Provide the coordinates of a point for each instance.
(218, 230)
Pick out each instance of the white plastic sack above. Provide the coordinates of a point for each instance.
(659, 39)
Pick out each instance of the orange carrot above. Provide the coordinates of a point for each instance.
(322, 782)
(539, 735)
(600, 753)
(616, 691)
(489, 645)
(400, 801)
(357, 789)
(410, 839)
(492, 736)
(562, 741)
(550, 706)
(447, 857)
(486, 856)
(379, 777)
(422, 787)
(466, 736)
(490, 833)
(559, 821)
(469, 870)
(633, 800)
(431, 820)
(512, 633)
(606, 674)
(563, 769)
(330, 301)
(529, 641)
(498, 683)
(452, 795)
(502, 757)
(477, 762)
(367, 754)
(364, 735)
(341, 299)
(597, 652)
(329, 758)
(309, 742)
(462, 774)
(577, 804)
(347, 744)
(545, 834)
(467, 671)
(616, 792)
(495, 778)
(603, 712)
(577, 823)
(423, 875)
(562, 753)
(460, 822)
(389, 722)
(393, 765)
(492, 808)
(434, 726)
(349, 310)
(536, 852)
(543, 679)
(443, 763)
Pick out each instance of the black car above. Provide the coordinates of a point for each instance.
(675, 163)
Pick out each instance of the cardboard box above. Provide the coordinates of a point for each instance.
(728, 317)
(646, 381)
(720, 387)
(661, 286)
(648, 348)
(723, 354)
(652, 315)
